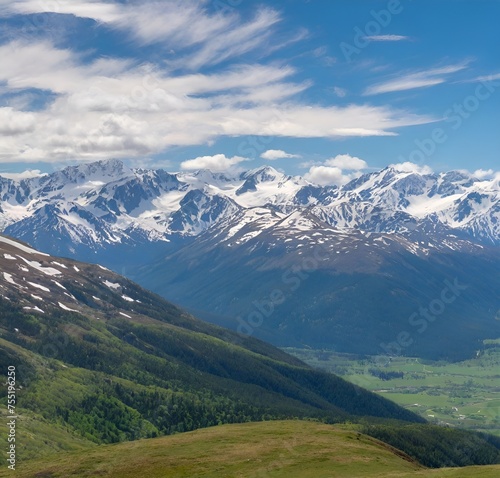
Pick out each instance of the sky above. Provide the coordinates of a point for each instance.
(326, 89)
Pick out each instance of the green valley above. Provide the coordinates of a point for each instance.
(462, 394)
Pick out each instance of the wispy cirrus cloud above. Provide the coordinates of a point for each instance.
(418, 79)
(389, 38)
(196, 36)
(483, 78)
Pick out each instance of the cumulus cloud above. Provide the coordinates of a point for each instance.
(14, 122)
(332, 171)
(408, 167)
(115, 108)
(325, 175)
(328, 176)
(273, 154)
(216, 163)
(29, 173)
(346, 161)
(483, 173)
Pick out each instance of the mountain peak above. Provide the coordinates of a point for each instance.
(106, 168)
(263, 174)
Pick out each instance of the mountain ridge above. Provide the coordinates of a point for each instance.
(105, 203)
(219, 242)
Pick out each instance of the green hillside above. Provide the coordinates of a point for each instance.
(267, 449)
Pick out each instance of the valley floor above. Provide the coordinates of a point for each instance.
(463, 394)
(265, 449)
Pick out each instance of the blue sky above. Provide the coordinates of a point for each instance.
(322, 88)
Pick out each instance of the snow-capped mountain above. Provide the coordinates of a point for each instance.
(95, 206)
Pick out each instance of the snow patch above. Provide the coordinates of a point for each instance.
(64, 307)
(58, 284)
(36, 309)
(112, 285)
(21, 247)
(8, 278)
(38, 286)
(50, 271)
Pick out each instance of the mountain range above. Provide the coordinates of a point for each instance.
(358, 268)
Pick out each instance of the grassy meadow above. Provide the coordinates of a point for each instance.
(292, 448)
(462, 394)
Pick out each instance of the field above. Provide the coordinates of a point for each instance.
(464, 394)
(266, 449)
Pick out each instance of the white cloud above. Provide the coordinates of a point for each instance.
(340, 92)
(331, 172)
(96, 10)
(324, 175)
(484, 174)
(408, 167)
(13, 122)
(419, 79)
(115, 108)
(272, 154)
(181, 24)
(346, 161)
(484, 78)
(218, 162)
(387, 38)
(328, 176)
(125, 108)
(29, 173)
